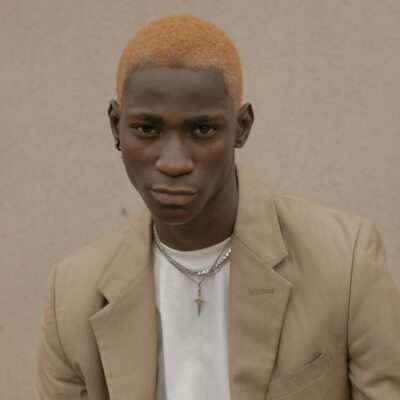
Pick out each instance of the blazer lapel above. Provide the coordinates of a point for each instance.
(125, 329)
(258, 295)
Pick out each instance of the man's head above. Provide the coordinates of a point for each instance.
(179, 118)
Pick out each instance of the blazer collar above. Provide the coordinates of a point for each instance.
(131, 259)
(257, 224)
(126, 329)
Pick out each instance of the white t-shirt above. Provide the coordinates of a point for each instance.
(192, 349)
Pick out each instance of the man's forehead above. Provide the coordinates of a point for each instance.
(152, 86)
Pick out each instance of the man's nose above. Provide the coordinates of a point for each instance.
(175, 157)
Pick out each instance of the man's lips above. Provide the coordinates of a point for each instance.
(175, 196)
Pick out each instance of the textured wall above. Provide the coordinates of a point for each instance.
(324, 79)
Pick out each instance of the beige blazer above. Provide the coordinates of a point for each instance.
(313, 312)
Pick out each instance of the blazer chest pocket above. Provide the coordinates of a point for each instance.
(302, 379)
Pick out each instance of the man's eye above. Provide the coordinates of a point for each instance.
(203, 130)
(146, 130)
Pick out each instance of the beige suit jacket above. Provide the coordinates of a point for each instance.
(313, 311)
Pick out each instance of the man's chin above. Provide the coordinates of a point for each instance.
(172, 216)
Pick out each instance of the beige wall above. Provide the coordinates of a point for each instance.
(324, 79)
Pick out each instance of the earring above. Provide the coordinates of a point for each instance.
(117, 145)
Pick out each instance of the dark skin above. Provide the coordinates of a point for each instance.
(178, 130)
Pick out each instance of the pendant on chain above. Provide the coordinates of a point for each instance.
(199, 300)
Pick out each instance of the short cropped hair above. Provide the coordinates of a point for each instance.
(182, 41)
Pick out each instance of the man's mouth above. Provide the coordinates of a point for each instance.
(173, 196)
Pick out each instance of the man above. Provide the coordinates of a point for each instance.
(223, 288)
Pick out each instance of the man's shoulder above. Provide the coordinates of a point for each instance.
(317, 233)
(299, 210)
(87, 264)
(301, 207)
(314, 225)
(74, 281)
(274, 222)
(101, 248)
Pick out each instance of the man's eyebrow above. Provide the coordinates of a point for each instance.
(154, 119)
(200, 119)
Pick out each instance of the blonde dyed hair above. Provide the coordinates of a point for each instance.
(182, 41)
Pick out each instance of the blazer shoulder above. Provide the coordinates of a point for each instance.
(317, 231)
(101, 247)
(293, 205)
(87, 264)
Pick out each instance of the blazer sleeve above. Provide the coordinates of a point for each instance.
(54, 377)
(374, 321)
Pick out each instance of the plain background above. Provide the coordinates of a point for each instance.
(323, 77)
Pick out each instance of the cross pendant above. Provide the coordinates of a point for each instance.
(199, 300)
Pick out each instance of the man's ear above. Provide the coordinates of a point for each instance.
(114, 115)
(244, 122)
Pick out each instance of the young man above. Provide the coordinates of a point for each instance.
(223, 288)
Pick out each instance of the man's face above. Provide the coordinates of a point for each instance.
(178, 129)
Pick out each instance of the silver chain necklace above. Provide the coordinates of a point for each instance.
(202, 273)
